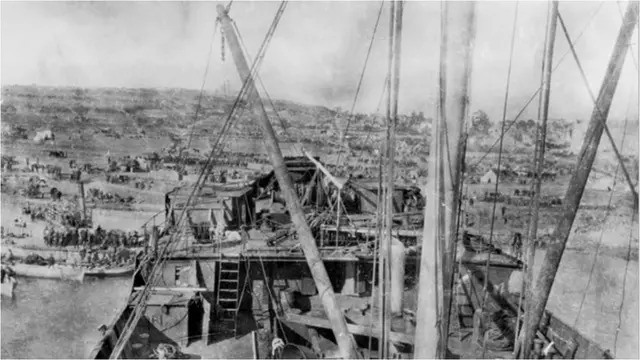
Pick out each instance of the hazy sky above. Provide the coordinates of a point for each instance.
(316, 55)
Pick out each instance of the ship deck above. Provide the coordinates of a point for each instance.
(363, 324)
(146, 338)
(289, 250)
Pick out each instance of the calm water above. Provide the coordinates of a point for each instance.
(54, 319)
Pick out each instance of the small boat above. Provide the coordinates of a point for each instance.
(110, 272)
(68, 254)
(62, 272)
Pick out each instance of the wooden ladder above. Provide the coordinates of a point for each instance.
(228, 294)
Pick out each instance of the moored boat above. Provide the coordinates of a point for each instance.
(69, 254)
(62, 272)
(110, 272)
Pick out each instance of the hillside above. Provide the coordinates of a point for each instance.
(140, 120)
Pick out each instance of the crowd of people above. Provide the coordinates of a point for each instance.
(98, 195)
(81, 237)
(111, 257)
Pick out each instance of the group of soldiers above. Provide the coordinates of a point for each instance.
(81, 237)
(108, 197)
(113, 256)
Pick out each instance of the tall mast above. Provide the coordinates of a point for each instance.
(395, 47)
(345, 341)
(579, 178)
(539, 164)
(444, 175)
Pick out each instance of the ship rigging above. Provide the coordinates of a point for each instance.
(453, 257)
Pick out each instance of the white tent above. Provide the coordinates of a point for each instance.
(43, 136)
(605, 183)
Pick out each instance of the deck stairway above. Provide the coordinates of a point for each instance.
(228, 294)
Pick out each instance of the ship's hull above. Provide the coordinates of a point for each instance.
(147, 337)
(114, 330)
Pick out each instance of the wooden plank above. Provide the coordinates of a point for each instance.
(175, 289)
(372, 232)
(353, 328)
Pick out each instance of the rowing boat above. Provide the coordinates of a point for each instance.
(62, 272)
(110, 272)
(68, 254)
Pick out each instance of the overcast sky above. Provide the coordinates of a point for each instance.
(316, 55)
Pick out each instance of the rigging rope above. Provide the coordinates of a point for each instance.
(384, 88)
(504, 119)
(437, 194)
(273, 299)
(595, 257)
(449, 256)
(376, 244)
(459, 224)
(137, 313)
(266, 93)
(364, 69)
(495, 195)
(528, 255)
(633, 54)
(198, 106)
(384, 253)
(624, 285)
(539, 88)
(602, 116)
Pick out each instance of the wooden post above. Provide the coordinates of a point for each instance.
(309, 189)
(254, 342)
(268, 291)
(444, 178)
(350, 275)
(344, 339)
(579, 178)
(154, 241)
(540, 147)
(82, 201)
(397, 262)
(338, 216)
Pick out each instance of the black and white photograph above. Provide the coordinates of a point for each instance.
(339, 179)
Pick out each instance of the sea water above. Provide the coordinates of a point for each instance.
(58, 319)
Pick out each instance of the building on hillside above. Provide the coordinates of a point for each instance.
(142, 164)
(605, 183)
(227, 207)
(45, 135)
(490, 177)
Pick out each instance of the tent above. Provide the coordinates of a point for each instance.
(43, 136)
